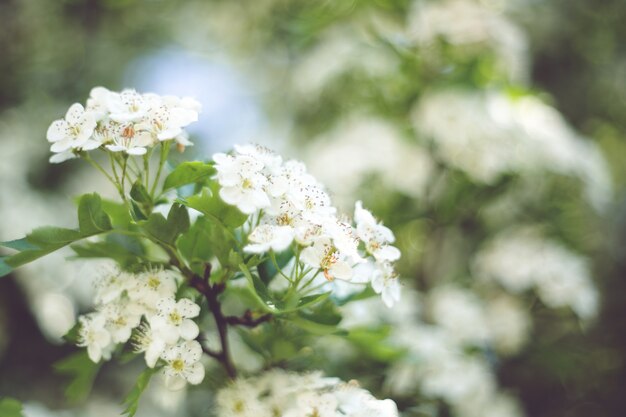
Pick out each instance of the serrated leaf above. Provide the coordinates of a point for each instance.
(10, 407)
(82, 373)
(195, 244)
(188, 173)
(132, 399)
(167, 230)
(91, 217)
(209, 203)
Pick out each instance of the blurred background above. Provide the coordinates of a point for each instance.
(489, 135)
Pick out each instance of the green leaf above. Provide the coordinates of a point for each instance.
(195, 244)
(132, 399)
(167, 230)
(374, 343)
(5, 269)
(18, 244)
(91, 217)
(43, 241)
(10, 407)
(139, 193)
(315, 327)
(210, 204)
(107, 249)
(118, 213)
(259, 290)
(188, 173)
(82, 373)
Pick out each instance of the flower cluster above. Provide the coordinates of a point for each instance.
(521, 259)
(145, 303)
(127, 122)
(280, 393)
(291, 207)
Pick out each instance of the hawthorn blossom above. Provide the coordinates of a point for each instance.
(94, 336)
(325, 256)
(147, 341)
(242, 182)
(149, 287)
(269, 237)
(173, 319)
(121, 318)
(182, 365)
(376, 236)
(131, 140)
(74, 131)
(385, 282)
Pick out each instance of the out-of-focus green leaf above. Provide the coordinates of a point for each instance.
(81, 371)
(132, 399)
(188, 173)
(10, 407)
(5, 269)
(91, 217)
(106, 249)
(374, 343)
(18, 244)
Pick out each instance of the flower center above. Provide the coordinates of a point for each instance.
(175, 317)
(154, 283)
(178, 365)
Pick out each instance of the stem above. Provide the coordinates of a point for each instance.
(162, 159)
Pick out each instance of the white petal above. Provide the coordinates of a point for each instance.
(174, 383)
(90, 145)
(94, 352)
(231, 195)
(188, 308)
(74, 113)
(189, 330)
(62, 145)
(136, 151)
(115, 148)
(57, 131)
(57, 158)
(341, 270)
(195, 374)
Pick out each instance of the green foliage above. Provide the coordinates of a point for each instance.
(10, 407)
(91, 217)
(82, 373)
(167, 230)
(132, 399)
(188, 173)
(209, 203)
(194, 243)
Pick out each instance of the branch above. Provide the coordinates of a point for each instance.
(248, 320)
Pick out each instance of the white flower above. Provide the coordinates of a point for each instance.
(94, 337)
(121, 318)
(266, 237)
(147, 341)
(385, 282)
(151, 286)
(242, 182)
(314, 404)
(112, 285)
(183, 365)
(127, 106)
(74, 131)
(165, 120)
(172, 320)
(325, 256)
(131, 140)
(376, 236)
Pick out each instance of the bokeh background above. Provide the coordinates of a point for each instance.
(489, 135)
